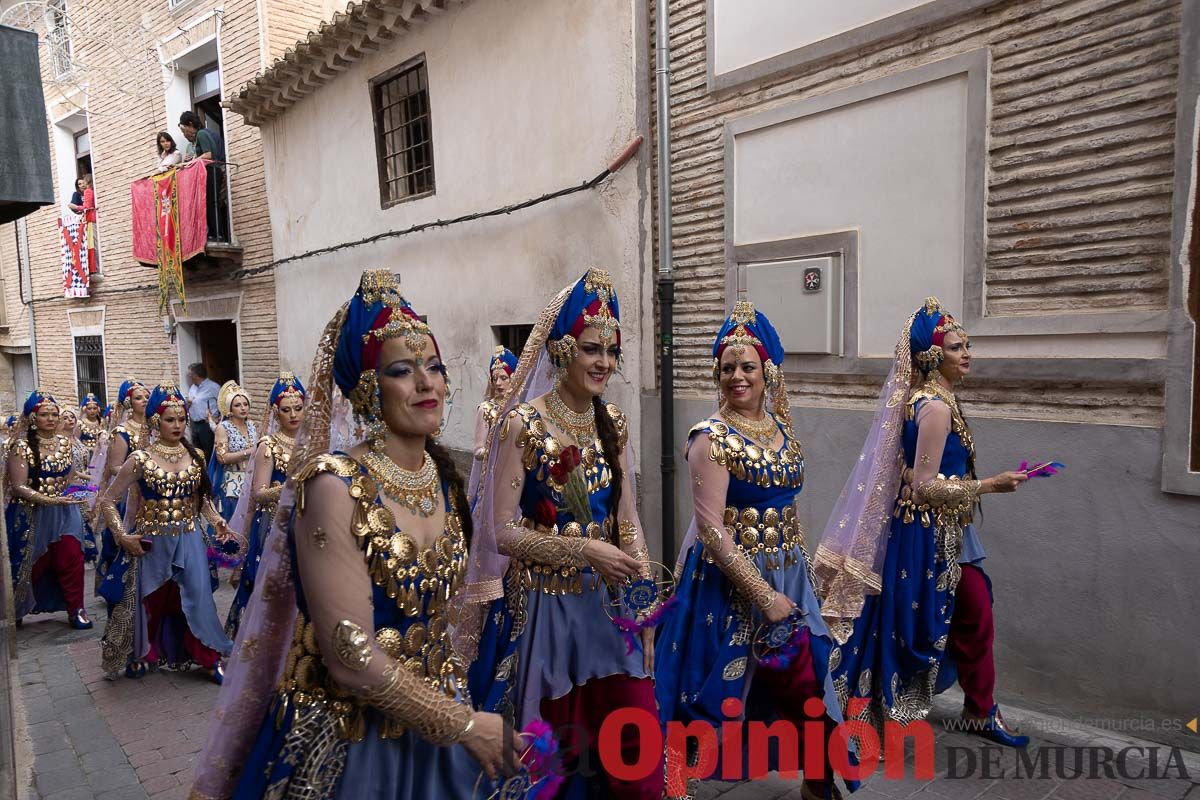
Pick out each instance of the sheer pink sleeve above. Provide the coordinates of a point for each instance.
(710, 484)
(931, 488)
(512, 538)
(338, 589)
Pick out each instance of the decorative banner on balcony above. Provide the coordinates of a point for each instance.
(72, 238)
(169, 224)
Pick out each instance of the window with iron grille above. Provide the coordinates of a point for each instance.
(403, 133)
(89, 366)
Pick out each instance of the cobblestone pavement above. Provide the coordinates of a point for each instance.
(133, 740)
(108, 740)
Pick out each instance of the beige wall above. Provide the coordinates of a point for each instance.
(526, 99)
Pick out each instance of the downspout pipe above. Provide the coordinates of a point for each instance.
(666, 276)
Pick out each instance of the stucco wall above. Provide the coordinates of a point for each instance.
(526, 99)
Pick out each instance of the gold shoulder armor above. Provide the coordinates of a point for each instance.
(620, 422)
(342, 466)
(20, 446)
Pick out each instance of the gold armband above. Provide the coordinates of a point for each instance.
(628, 532)
(738, 569)
(642, 554)
(210, 514)
(271, 495)
(111, 517)
(949, 492)
(34, 496)
(549, 549)
(414, 704)
(352, 646)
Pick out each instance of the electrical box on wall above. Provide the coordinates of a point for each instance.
(803, 299)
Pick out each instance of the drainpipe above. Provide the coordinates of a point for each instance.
(666, 277)
(24, 284)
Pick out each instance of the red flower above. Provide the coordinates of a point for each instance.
(546, 513)
(568, 460)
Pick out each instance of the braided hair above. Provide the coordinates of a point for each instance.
(448, 471)
(610, 443)
(35, 473)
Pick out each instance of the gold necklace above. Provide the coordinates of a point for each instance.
(760, 431)
(580, 426)
(416, 491)
(172, 455)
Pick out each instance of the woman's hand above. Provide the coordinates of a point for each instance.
(1004, 482)
(781, 607)
(610, 561)
(493, 744)
(224, 532)
(647, 636)
(131, 545)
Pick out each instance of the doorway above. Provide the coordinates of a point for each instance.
(218, 344)
(213, 343)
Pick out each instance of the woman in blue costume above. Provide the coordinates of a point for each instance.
(81, 486)
(542, 565)
(162, 606)
(501, 367)
(369, 701)
(902, 581)
(45, 528)
(267, 474)
(744, 563)
(129, 435)
(91, 426)
(234, 441)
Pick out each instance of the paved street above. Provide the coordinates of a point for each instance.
(133, 740)
(108, 740)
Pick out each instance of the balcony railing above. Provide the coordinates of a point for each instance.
(184, 213)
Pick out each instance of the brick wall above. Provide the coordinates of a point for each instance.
(123, 118)
(1079, 179)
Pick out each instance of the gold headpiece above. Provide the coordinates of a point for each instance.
(230, 390)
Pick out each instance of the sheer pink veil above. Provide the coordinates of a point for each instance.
(849, 559)
(534, 376)
(264, 637)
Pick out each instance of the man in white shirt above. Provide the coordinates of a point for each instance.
(202, 404)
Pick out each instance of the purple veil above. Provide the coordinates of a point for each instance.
(849, 559)
(265, 636)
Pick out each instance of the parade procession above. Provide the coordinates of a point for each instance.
(574, 399)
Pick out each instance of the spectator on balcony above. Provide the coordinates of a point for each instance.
(76, 203)
(202, 143)
(168, 152)
(89, 224)
(206, 144)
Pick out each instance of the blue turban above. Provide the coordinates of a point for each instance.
(287, 383)
(108, 409)
(12, 420)
(749, 328)
(36, 398)
(592, 301)
(930, 324)
(89, 398)
(128, 386)
(164, 395)
(376, 312)
(503, 357)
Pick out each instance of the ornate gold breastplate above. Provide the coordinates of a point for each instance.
(173, 511)
(56, 462)
(420, 583)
